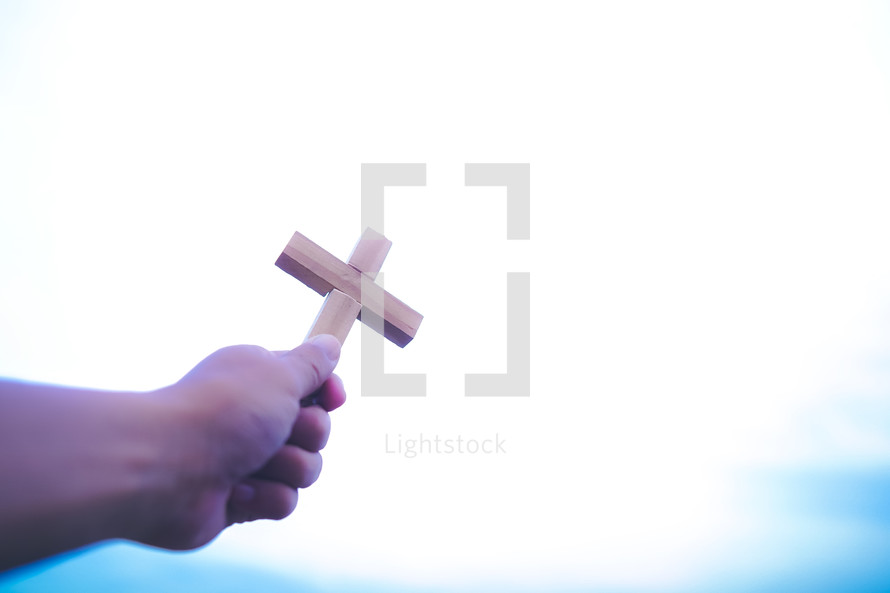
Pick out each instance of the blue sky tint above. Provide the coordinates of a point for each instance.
(710, 365)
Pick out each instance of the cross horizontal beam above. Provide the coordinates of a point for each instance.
(324, 273)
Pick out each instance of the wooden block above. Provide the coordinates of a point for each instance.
(368, 254)
(336, 316)
(312, 265)
(323, 272)
(400, 322)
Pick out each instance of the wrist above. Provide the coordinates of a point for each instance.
(143, 447)
(178, 488)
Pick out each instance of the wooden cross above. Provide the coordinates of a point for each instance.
(343, 284)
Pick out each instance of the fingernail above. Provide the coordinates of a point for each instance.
(329, 345)
(243, 493)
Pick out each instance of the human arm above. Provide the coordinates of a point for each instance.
(172, 468)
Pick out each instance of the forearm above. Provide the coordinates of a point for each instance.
(77, 466)
(227, 443)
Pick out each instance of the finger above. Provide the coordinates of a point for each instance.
(312, 363)
(333, 394)
(329, 396)
(292, 466)
(255, 499)
(311, 430)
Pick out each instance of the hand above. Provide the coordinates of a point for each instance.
(240, 443)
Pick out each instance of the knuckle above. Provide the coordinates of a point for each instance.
(324, 430)
(311, 469)
(320, 424)
(311, 367)
(317, 372)
(284, 504)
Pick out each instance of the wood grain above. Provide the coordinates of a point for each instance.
(336, 316)
(323, 273)
(368, 254)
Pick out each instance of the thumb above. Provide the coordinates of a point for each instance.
(312, 363)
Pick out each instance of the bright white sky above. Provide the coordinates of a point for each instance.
(708, 255)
